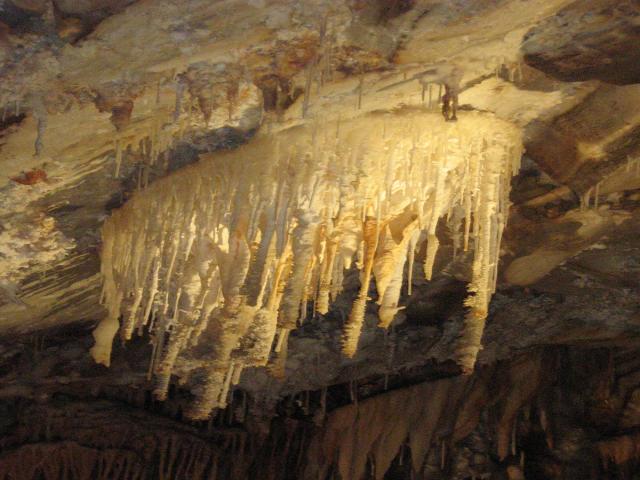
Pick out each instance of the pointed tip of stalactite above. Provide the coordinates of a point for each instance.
(386, 315)
(103, 336)
(198, 414)
(465, 369)
(348, 350)
(161, 387)
(469, 343)
(277, 367)
(430, 257)
(353, 327)
(101, 355)
(160, 395)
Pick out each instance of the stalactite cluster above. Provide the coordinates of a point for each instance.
(428, 420)
(206, 96)
(232, 253)
(535, 415)
(77, 441)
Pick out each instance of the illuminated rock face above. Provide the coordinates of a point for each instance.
(243, 242)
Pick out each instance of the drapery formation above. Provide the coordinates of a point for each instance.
(235, 250)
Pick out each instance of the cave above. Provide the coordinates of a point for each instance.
(319, 239)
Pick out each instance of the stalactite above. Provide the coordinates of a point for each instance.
(226, 256)
(619, 450)
(118, 156)
(360, 91)
(389, 264)
(489, 220)
(180, 89)
(324, 289)
(378, 430)
(307, 89)
(585, 199)
(303, 241)
(430, 257)
(40, 113)
(354, 323)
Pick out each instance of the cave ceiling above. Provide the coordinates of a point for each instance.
(102, 101)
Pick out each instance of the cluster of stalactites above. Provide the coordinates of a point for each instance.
(239, 247)
(205, 97)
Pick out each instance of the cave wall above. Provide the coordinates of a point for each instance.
(554, 412)
(103, 100)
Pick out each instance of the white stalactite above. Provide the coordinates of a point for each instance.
(233, 248)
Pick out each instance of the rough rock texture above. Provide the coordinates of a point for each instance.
(101, 98)
(587, 40)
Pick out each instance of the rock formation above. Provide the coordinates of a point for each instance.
(319, 239)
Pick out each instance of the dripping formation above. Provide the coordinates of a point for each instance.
(428, 420)
(294, 308)
(227, 256)
(204, 96)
